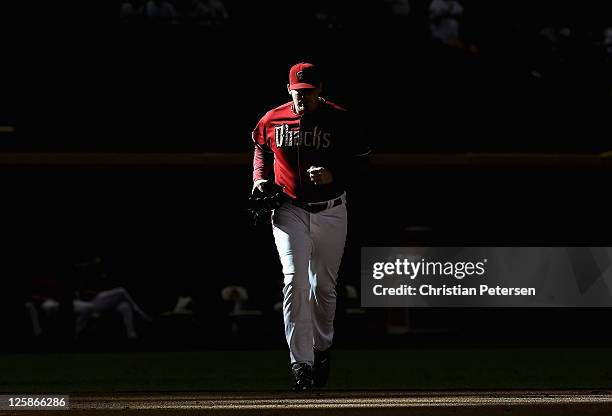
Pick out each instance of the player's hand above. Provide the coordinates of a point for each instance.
(259, 185)
(320, 176)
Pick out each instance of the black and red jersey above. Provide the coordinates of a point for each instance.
(287, 144)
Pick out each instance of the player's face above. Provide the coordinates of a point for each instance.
(305, 100)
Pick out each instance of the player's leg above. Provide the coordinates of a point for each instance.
(33, 313)
(111, 299)
(290, 229)
(83, 311)
(328, 230)
(50, 308)
(127, 314)
(134, 305)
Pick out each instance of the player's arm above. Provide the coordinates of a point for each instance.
(263, 158)
(262, 167)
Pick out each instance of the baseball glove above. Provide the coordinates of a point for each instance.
(261, 204)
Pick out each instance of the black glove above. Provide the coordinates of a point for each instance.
(261, 203)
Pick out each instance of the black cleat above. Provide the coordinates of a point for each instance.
(302, 372)
(320, 371)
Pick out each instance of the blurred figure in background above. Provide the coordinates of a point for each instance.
(44, 295)
(126, 12)
(607, 41)
(96, 296)
(131, 11)
(445, 17)
(93, 298)
(208, 12)
(160, 11)
(46, 291)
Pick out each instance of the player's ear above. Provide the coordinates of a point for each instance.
(289, 89)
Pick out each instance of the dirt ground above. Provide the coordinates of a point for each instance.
(391, 403)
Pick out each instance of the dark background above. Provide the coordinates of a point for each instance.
(142, 86)
(172, 231)
(86, 84)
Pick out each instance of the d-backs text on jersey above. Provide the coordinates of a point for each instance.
(317, 138)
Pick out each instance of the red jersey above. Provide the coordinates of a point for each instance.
(290, 143)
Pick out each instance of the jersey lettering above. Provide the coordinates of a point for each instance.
(317, 138)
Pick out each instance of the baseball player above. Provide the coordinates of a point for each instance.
(308, 147)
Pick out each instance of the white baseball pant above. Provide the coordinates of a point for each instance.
(310, 247)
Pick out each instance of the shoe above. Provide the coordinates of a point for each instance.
(302, 372)
(320, 371)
